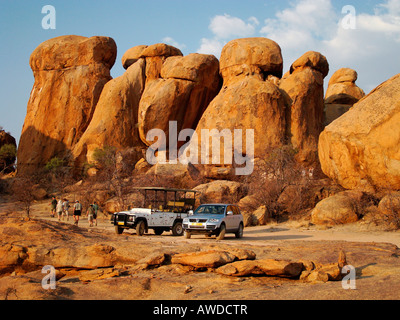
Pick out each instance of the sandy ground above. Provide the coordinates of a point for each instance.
(373, 253)
(260, 235)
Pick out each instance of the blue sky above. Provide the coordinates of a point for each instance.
(372, 48)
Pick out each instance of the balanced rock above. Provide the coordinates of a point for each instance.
(181, 92)
(116, 115)
(70, 73)
(246, 102)
(360, 149)
(304, 89)
(251, 56)
(342, 94)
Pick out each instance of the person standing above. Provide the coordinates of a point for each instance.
(77, 211)
(53, 205)
(59, 209)
(96, 209)
(90, 215)
(65, 209)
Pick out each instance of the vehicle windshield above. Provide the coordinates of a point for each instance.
(210, 209)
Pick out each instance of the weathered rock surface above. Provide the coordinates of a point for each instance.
(181, 92)
(338, 209)
(304, 91)
(70, 72)
(211, 258)
(342, 94)
(266, 267)
(221, 191)
(116, 115)
(360, 149)
(249, 103)
(256, 57)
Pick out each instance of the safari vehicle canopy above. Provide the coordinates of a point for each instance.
(168, 199)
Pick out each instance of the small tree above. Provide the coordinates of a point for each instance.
(23, 192)
(112, 171)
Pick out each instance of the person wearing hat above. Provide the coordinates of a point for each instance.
(77, 211)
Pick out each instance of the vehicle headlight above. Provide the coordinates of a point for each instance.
(131, 218)
(185, 220)
(213, 220)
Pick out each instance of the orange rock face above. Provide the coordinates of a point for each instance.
(70, 73)
(246, 101)
(304, 89)
(182, 93)
(360, 149)
(116, 115)
(342, 94)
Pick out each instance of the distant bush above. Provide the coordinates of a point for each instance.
(8, 154)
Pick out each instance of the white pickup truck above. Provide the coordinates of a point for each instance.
(163, 210)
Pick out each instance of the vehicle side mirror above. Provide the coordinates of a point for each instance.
(229, 213)
(190, 212)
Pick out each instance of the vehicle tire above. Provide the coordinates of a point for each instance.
(221, 234)
(187, 234)
(140, 228)
(177, 229)
(239, 233)
(158, 231)
(118, 230)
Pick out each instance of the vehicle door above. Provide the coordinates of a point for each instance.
(238, 217)
(168, 219)
(155, 219)
(230, 219)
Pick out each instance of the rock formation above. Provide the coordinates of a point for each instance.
(70, 72)
(247, 100)
(182, 91)
(360, 149)
(342, 94)
(304, 88)
(159, 86)
(114, 121)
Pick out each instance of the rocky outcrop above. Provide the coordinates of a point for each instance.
(304, 92)
(159, 86)
(338, 209)
(116, 115)
(342, 94)
(180, 91)
(360, 149)
(246, 101)
(70, 73)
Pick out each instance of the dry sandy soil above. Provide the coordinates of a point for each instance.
(374, 254)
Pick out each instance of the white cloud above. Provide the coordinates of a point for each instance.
(211, 46)
(225, 28)
(371, 48)
(172, 42)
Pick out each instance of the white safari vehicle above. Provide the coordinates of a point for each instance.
(163, 210)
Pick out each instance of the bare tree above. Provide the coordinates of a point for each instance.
(23, 192)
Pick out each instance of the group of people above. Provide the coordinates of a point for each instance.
(61, 208)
